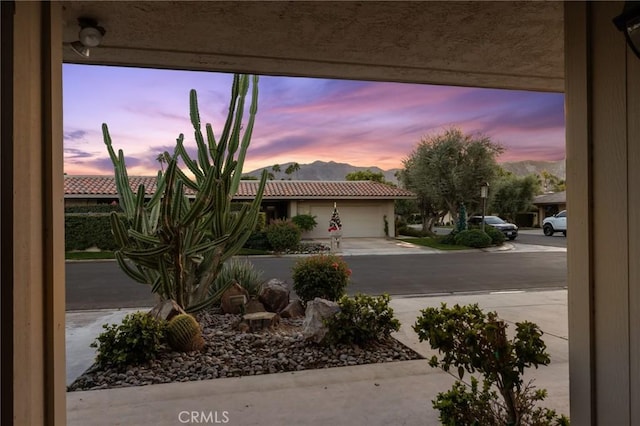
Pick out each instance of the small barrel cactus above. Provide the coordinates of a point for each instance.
(184, 334)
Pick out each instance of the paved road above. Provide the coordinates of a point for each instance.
(535, 236)
(97, 285)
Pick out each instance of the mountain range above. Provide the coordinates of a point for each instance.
(321, 170)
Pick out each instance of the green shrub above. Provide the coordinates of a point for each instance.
(497, 237)
(136, 340)
(87, 230)
(412, 232)
(283, 235)
(323, 275)
(473, 238)
(305, 222)
(95, 208)
(475, 342)
(261, 222)
(361, 320)
(258, 241)
(450, 238)
(242, 272)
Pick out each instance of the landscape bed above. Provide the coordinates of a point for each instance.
(232, 353)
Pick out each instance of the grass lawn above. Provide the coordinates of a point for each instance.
(433, 243)
(101, 255)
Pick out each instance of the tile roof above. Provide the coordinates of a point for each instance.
(104, 187)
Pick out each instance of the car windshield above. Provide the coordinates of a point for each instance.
(493, 220)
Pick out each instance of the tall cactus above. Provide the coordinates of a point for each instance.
(177, 245)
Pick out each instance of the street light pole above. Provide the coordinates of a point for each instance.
(484, 192)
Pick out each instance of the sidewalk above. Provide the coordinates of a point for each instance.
(396, 393)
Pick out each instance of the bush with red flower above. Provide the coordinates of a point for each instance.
(324, 275)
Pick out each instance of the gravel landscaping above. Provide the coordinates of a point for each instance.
(231, 353)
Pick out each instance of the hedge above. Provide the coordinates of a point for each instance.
(88, 230)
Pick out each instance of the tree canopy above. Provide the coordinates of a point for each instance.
(448, 169)
(366, 175)
(513, 195)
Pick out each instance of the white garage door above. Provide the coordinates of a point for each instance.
(358, 220)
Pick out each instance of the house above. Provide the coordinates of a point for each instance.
(363, 205)
(550, 204)
(571, 47)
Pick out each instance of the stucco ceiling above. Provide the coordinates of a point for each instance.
(516, 45)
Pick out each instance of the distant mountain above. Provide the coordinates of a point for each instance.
(321, 170)
(524, 168)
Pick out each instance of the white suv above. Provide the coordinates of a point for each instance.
(555, 223)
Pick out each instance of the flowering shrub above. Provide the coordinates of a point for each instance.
(324, 275)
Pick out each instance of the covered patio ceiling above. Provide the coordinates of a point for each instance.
(512, 45)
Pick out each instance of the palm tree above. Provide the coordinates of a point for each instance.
(162, 159)
(292, 168)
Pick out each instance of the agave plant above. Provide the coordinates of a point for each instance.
(177, 240)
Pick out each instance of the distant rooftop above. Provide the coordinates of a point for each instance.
(551, 198)
(105, 187)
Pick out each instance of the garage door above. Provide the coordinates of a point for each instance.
(358, 220)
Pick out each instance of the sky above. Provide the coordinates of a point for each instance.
(299, 119)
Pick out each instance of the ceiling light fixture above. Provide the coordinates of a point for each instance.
(629, 23)
(90, 35)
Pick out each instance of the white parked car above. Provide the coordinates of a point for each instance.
(555, 223)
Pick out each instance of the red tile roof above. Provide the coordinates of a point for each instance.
(104, 187)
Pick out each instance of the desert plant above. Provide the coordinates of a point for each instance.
(136, 340)
(473, 341)
(184, 334)
(241, 272)
(283, 235)
(323, 275)
(305, 222)
(473, 238)
(178, 245)
(362, 319)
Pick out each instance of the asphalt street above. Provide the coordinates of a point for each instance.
(102, 285)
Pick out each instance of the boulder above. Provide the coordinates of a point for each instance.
(254, 306)
(293, 310)
(274, 295)
(318, 309)
(166, 309)
(234, 299)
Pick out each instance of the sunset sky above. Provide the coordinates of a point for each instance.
(299, 119)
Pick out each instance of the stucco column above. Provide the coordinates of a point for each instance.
(603, 154)
(33, 390)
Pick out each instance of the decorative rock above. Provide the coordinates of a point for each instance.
(254, 306)
(293, 310)
(274, 295)
(261, 320)
(165, 310)
(317, 310)
(234, 299)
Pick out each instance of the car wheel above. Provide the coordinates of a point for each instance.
(564, 233)
(548, 230)
(512, 238)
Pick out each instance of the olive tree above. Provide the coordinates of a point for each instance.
(448, 169)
